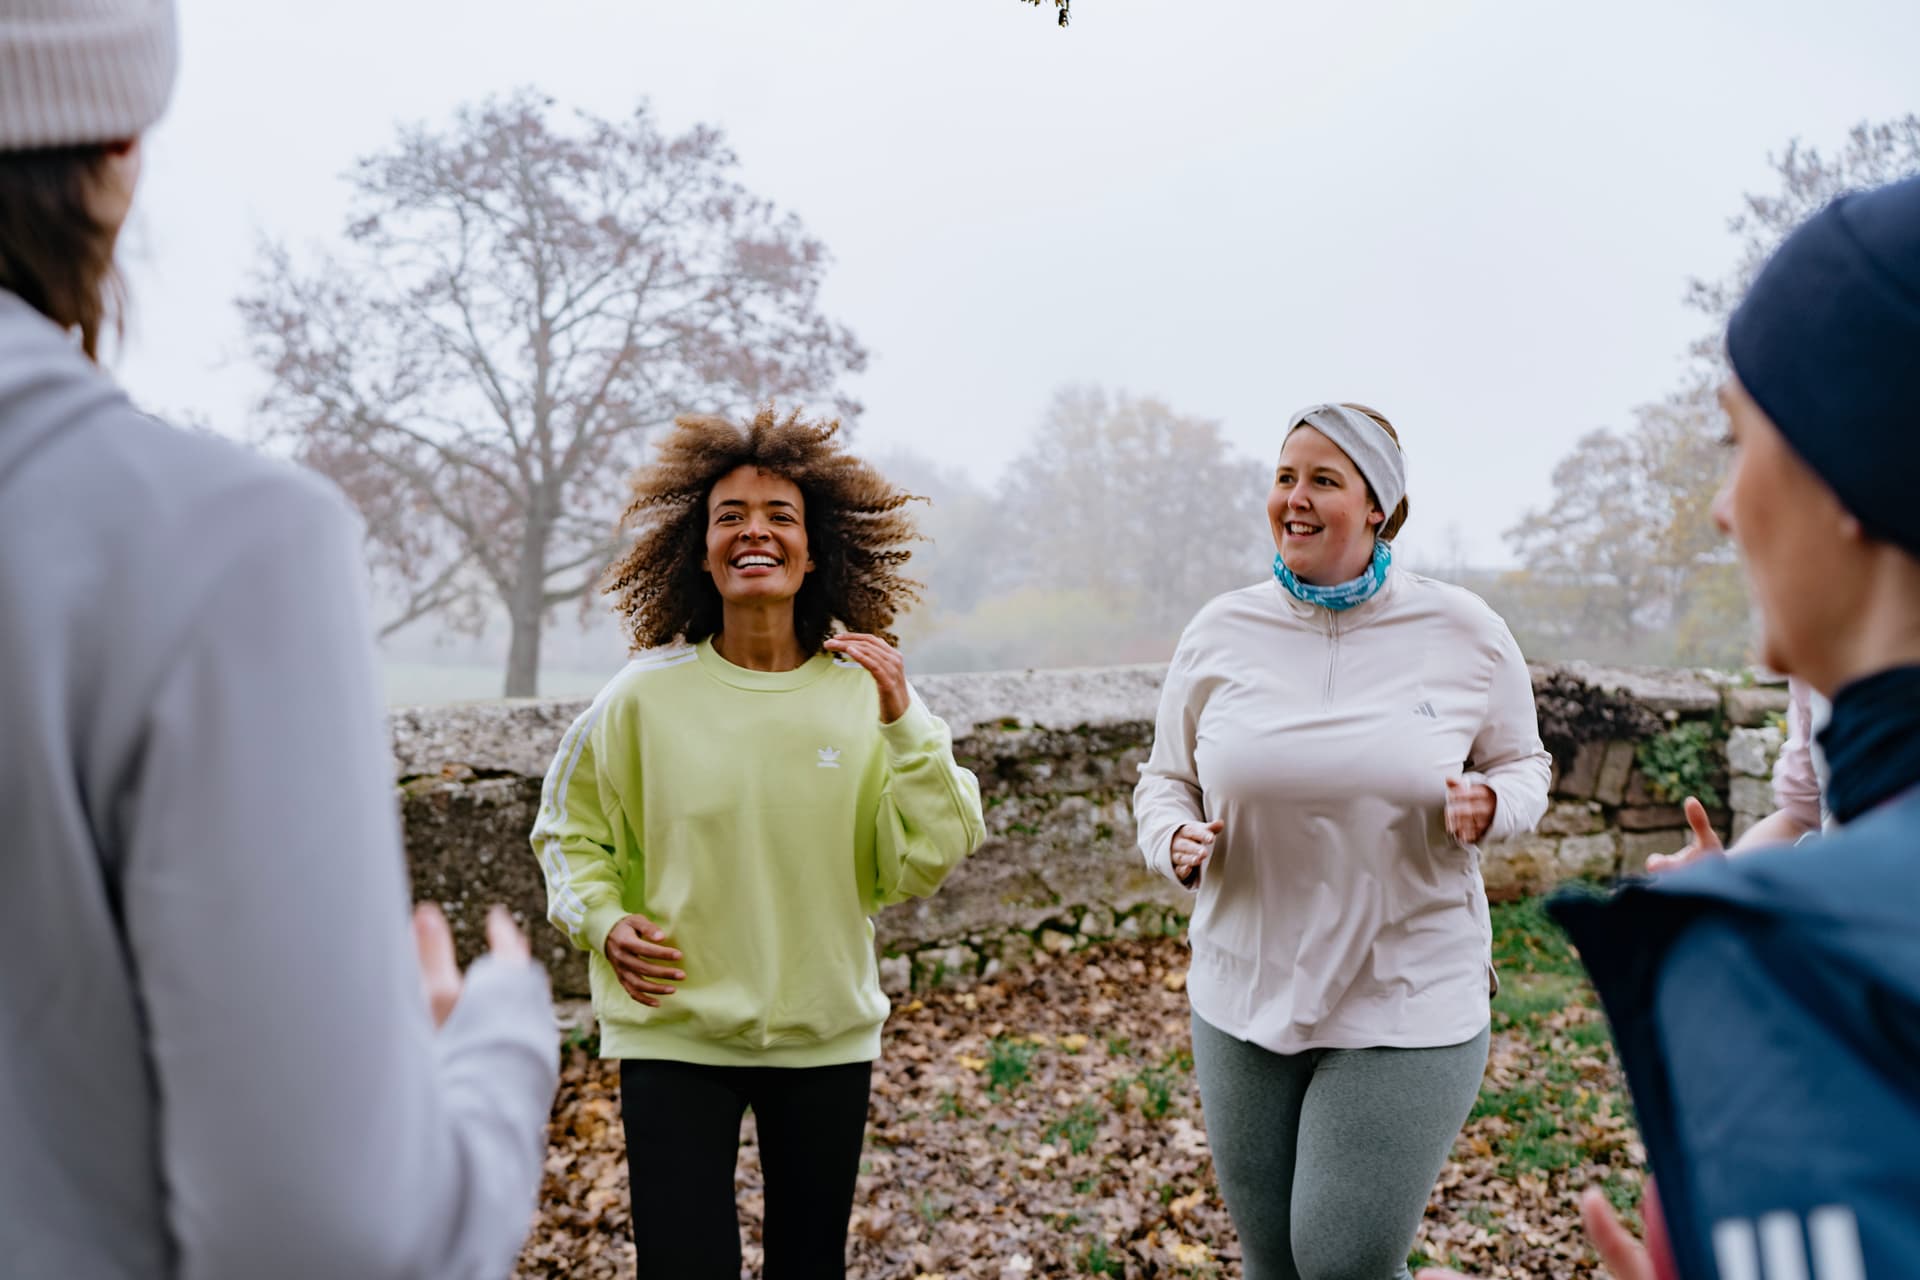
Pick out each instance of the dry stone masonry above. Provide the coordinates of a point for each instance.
(1057, 754)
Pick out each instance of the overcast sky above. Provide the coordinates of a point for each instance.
(1478, 217)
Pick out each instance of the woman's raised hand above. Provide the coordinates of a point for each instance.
(440, 971)
(1705, 842)
(1192, 846)
(884, 663)
(636, 948)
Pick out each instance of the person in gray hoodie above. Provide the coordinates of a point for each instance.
(218, 1056)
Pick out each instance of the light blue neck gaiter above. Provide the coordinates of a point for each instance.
(1341, 595)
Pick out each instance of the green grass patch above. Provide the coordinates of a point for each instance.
(1525, 940)
(1155, 1097)
(1590, 1035)
(1009, 1062)
(1558, 1112)
(1077, 1128)
(1528, 997)
(1098, 1260)
(1549, 1112)
(1537, 1140)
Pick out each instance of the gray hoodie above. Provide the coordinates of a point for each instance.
(215, 1055)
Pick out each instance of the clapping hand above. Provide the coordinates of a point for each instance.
(440, 970)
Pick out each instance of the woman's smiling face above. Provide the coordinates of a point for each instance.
(756, 537)
(1322, 519)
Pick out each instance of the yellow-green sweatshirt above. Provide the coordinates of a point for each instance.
(760, 818)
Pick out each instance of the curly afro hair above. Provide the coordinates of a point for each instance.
(856, 531)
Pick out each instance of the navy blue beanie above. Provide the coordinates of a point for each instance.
(1828, 343)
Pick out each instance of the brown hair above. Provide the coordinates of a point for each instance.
(1398, 516)
(54, 252)
(856, 531)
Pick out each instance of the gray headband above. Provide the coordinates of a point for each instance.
(1366, 442)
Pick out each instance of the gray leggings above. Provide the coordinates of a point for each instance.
(1326, 1158)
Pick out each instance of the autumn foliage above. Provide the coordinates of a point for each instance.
(1047, 1124)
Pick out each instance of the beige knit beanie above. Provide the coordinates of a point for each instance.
(82, 71)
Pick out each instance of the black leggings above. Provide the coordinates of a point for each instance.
(683, 1140)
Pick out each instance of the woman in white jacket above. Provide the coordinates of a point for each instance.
(1331, 747)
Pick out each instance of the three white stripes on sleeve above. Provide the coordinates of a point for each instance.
(1774, 1249)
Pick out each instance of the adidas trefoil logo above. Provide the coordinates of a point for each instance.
(829, 758)
(1425, 709)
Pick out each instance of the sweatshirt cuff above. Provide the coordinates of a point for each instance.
(913, 732)
(599, 923)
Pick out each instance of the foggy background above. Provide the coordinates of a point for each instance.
(1090, 270)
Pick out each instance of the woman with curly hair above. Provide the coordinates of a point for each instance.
(718, 827)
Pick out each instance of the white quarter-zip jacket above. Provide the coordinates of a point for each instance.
(1335, 910)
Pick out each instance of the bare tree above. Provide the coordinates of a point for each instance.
(1874, 155)
(1127, 497)
(1625, 560)
(960, 527)
(519, 302)
(1592, 572)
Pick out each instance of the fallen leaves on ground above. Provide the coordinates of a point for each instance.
(1047, 1124)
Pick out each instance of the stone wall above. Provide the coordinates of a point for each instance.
(1606, 815)
(1057, 754)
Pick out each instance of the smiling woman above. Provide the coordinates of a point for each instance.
(719, 825)
(1331, 748)
(1325, 515)
(857, 530)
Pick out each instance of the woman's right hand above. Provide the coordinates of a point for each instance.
(1192, 846)
(636, 948)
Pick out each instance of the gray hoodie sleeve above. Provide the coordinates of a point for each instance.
(312, 1122)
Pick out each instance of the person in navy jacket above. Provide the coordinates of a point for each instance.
(1767, 1009)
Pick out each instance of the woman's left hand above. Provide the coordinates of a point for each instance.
(884, 663)
(1469, 809)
